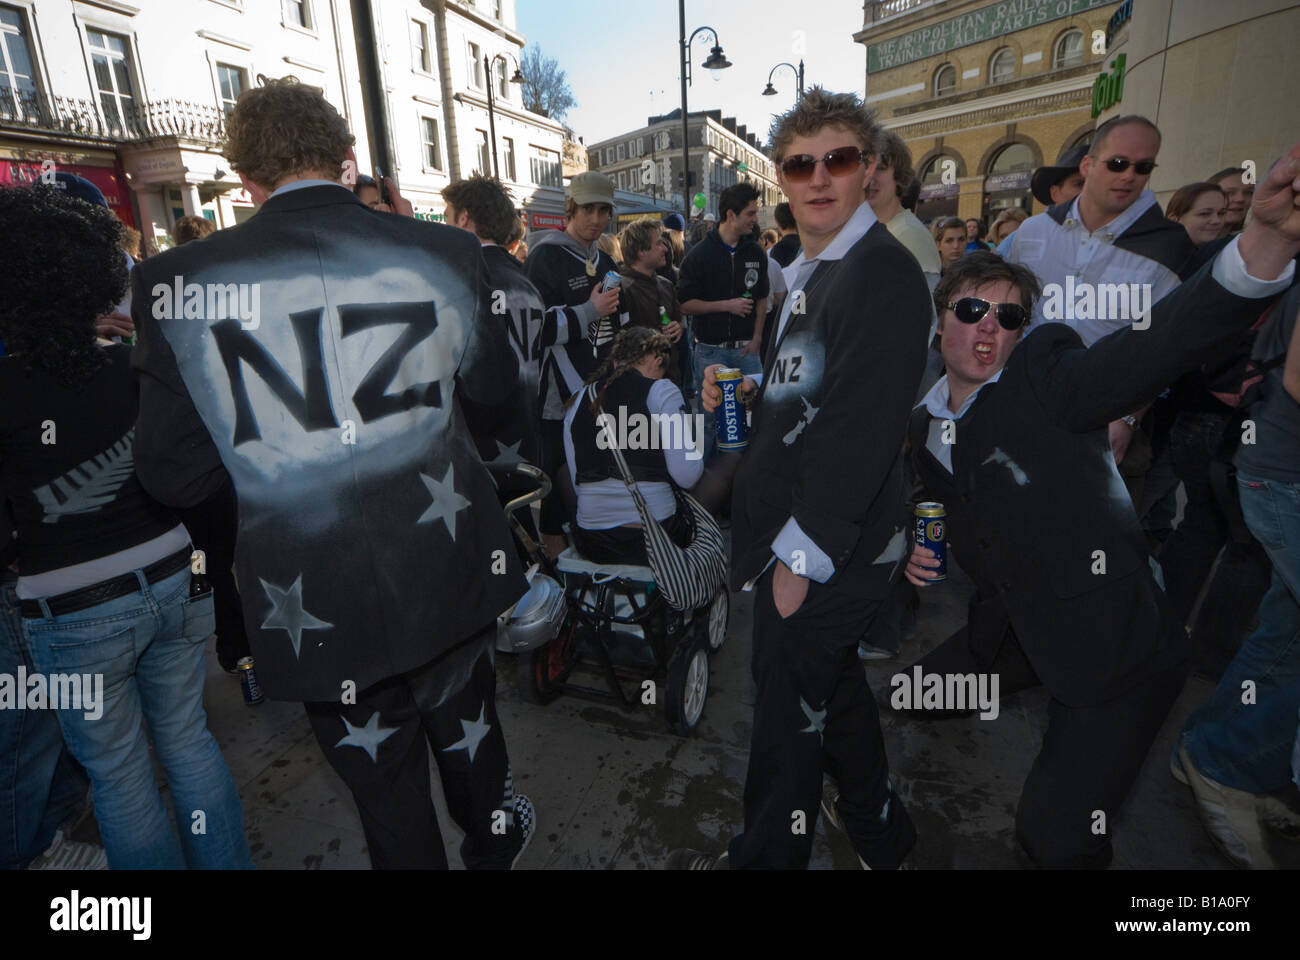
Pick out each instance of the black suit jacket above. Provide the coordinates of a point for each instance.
(1037, 512)
(368, 527)
(828, 425)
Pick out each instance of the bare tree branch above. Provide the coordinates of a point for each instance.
(545, 87)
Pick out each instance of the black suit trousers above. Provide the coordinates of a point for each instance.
(1090, 756)
(815, 714)
(380, 747)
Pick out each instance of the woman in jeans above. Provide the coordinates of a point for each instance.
(103, 570)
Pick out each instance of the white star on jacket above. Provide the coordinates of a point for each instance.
(474, 732)
(287, 613)
(447, 503)
(368, 738)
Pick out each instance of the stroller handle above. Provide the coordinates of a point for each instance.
(543, 487)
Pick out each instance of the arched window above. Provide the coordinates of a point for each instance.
(1015, 158)
(933, 172)
(1003, 66)
(1083, 139)
(1069, 50)
(945, 80)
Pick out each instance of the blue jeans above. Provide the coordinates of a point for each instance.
(148, 647)
(1248, 745)
(40, 784)
(705, 356)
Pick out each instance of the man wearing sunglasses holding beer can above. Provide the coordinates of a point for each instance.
(819, 529)
(1012, 441)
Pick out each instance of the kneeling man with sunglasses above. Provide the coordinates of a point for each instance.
(1013, 441)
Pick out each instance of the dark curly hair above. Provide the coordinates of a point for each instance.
(68, 270)
(630, 347)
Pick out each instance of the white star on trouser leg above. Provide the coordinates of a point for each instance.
(287, 612)
(447, 503)
(475, 731)
(368, 738)
(816, 718)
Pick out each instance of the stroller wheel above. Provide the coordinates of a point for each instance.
(541, 670)
(713, 619)
(687, 686)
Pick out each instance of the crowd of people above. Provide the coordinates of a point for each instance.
(308, 456)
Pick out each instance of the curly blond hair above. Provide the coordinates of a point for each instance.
(284, 128)
(819, 108)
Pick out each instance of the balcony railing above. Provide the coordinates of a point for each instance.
(85, 119)
(884, 9)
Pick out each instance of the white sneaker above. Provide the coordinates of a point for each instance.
(1229, 817)
(65, 854)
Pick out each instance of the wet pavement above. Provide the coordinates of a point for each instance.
(617, 790)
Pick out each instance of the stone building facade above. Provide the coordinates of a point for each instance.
(984, 92)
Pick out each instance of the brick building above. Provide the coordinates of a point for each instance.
(984, 92)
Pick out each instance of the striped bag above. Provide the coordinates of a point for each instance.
(689, 576)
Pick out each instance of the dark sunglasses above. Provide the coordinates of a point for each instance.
(1011, 316)
(838, 162)
(1119, 165)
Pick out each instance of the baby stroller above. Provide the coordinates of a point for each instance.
(581, 618)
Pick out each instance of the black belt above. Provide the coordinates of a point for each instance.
(106, 590)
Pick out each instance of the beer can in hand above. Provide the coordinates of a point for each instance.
(248, 681)
(932, 533)
(733, 431)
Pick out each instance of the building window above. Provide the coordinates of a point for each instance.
(1015, 158)
(420, 47)
(484, 164)
(476, 65)
(945, 80)
(1069, 50)
(1003, 66)
(298, 13)
(545, 168)
(432, 150)
(509, 171)
(622, 180)
(622, 152)
(112, 65)
(503, 83)
(17, 79)
(232, 82)
(496, 9)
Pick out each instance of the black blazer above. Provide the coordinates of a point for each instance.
(1036, 505)
(368, 527)
(828, 425)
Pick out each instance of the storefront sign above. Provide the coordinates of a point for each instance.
(934, 191)
(110, 181)
(1108, 89)
(539, 221)
(995, 20)
(1008, 181)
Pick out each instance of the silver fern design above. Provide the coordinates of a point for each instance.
(87, 487)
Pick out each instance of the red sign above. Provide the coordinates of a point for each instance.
(110, 181)
(539, 221)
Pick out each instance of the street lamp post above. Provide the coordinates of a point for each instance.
(771, 90)
(716, 61)
(487, 79)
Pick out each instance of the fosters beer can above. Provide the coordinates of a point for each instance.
(932, 533)
(730, 413)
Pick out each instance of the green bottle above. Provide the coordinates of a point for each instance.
(663, 316)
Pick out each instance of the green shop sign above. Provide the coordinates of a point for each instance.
(995, 20)
(1108, 89)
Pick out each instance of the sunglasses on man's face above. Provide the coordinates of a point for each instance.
(1119, 165)
(1010, 316)
(839, 161)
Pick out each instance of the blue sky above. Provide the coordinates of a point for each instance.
(623, 63)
